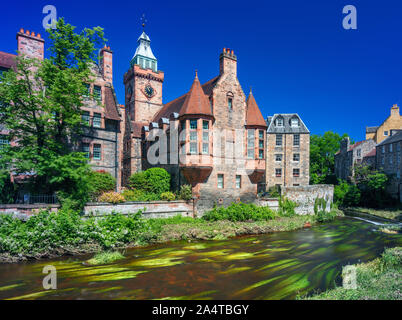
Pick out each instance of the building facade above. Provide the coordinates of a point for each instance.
(288, 151)
(382, 132)
(349, 155)
(388, 160)
(102, 137)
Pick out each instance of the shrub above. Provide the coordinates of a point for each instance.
(287, 207)
(240, 212)
(168, 196)
(100, 182)
(112, 197)
(274, 192)
(139, 195)
(186, 192)
(154, 180)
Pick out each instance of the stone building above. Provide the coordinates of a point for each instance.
(382, 132)
(389, 161)
(215, 135)
(288, 151)
(349, 155)
(102, 138)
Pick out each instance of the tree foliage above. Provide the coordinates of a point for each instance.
(41, 108)
(322, 156)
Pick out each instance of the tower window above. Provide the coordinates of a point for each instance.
(220, 181)
(238, 182)
(193, 124)
(230, 104)
(250, 144)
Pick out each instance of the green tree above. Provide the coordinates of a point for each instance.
(41, 108)
(322, 157)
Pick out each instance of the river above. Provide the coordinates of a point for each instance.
(272, 266)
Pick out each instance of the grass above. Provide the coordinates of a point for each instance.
(105, 258)
(392, 213)
(380, 279)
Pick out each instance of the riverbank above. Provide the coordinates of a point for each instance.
(380, 279)
(391, 214)
(49, 236)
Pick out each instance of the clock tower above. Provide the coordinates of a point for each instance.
(143, 83)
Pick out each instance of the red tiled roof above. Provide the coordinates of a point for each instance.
(176, 105)
(111, 105)
(372, 153)
(7, 60)
(196, 102)
(254, 115)
(356, 145)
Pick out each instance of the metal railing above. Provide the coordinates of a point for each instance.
(37, 199)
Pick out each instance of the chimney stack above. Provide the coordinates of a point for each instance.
(228, 62)
(395, 110)
(106, 63)
(31, 45)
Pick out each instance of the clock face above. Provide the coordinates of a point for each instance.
(149, 91)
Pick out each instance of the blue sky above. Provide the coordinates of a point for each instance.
(295, 54)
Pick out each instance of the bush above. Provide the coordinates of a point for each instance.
(139, 195)
(186, 192)
(274, 192)
(100, 182)
(287, 207)
(112, 197)
(168, 196)
(347, 195)
(240, 212)
(154, 180)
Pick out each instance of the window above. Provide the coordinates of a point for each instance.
(398, 174)
(230, 104)
(205, 125)
(279, 122)
(398, 147)
(261, 134)
(398, 157)
(382, 160)
(98, 92)
(97, 121)
(278, 140)
(3, 142)
(385, 133)
(383, 149)
(85, 150)
(250, 143)
(238, 182)
(260, 154)
(193, 136)
(294, 122)
(390, 159)
(85, 118)
(296, 173)
(296, 157)
(193, 124)
(390, 147)
(193, 148)
(296, 185)
(220, 181)
(87, 90)
(278, 173)
(278, 158)
(97, 151)
(205, 148)
(296, 140)
(261, 144)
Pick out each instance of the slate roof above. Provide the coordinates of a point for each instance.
(394, 138)
(254, 116)
(176, 105)
(111, 107)
(287, 128)
(7, 60)
(371, 129)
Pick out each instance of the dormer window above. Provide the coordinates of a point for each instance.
(294, 122)
(279, 122)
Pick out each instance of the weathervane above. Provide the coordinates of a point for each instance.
(143, 21)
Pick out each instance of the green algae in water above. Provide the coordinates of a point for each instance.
(256, 285)
(157, 263)
(215, 253)
(238, 256)
(12, 286)
(198, 246)
(113, 276)
(40, 294)
(235, 270)
(94, 271)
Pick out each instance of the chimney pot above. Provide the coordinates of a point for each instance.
(232, 52)
(27, 32)
(33, 34)
(22, 30)
(38, 35)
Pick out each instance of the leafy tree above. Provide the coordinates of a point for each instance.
(41, 108)
(322, 157)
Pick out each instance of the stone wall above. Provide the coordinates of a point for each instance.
(273, 203)
(156, 209)
(305, 197)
